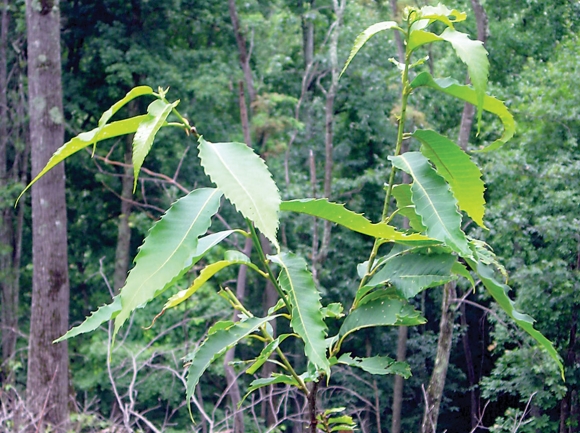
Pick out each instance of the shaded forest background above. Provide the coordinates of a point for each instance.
(264, 73)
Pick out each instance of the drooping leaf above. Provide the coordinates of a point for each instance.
(97, 318)
(157, 113)
(365, 36)
(499, 292)
(132, 94)
(276, 378)
(307, 319)
(434, 202)
(457, 168)
(215, 345)
(467, 94)
(232, 258)
(337, 213)
(380, 365)
(114, 129)
(474, 55)
(168, 250)
(266, 353)
(413, 273)
(402, 194)
(460, 270)
(381, 311)
(245, 181)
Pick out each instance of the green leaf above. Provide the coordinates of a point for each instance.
(215, 345)
(267, 381)
(474, 55)
(365, 36)
(245, 181)
(115, 129)
(402, 194)
(418, 38)
(132, 94)
(266, 352)
(307, 319)
(413, 273)
(168, 250)
(381, 311)
(460, 270)
(434, 203)
(96, 319)
(457, 168)
(157, 113)
(441, 13)
(467, 94)
(337, 213)
(379, 365)
(232, 258)
(499, 292)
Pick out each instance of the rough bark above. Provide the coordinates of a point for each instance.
(434, 391)
(47, 383)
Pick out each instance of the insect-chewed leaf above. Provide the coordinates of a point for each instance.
(157, 113)
(467, 94)
(381, 311)
(413, 273)
(457, 168)
(96, 319)
(168, 249)
(499, 292)
(474, 55)
(307, 319)
(245, 181)
(84, 139)
(365, 36)
(232, 258)
(337, 213)
(433, 201)
(379, 365)
(215, 345)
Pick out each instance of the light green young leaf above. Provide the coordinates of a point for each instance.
(157, 113)
(214, 346)
(442, 13)
(402, 194)
(457, 168)
(245, 181)
(418, 38)
(365, 36)
(474, 55)
(84, 139)
(434, 203)
(499, 292)
(307, 320)
(413, 273)
(168, 249)
(337, 213)
(379, 365)
(232, 258)
(380, 310)
(266, 352)
(96, 319)
(132, 94)
(467, 94)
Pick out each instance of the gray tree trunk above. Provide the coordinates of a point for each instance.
(47, 384)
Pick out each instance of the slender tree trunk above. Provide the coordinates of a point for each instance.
(47, 384)
(243, 50)
(434, 391)
(473, 390)
(122, 252)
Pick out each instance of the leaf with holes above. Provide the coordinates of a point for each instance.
(245, 181)
(307, 319)
(168, 250)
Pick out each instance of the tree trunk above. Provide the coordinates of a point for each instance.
(434, 391)
(47, 384)
(473, 390)
(243, 50)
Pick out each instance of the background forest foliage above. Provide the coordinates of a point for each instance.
(496, 372)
